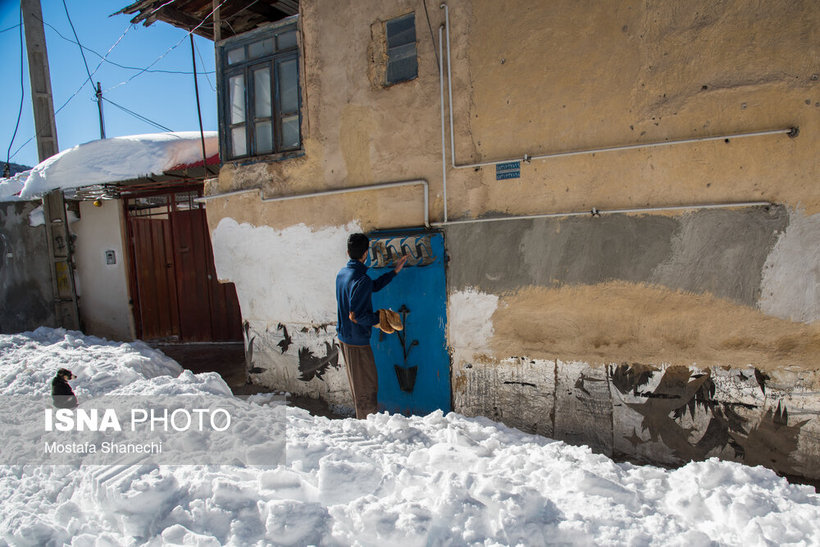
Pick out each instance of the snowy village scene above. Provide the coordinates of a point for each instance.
(409, 273)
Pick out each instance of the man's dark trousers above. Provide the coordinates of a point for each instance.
(353, 295)
(363, 378)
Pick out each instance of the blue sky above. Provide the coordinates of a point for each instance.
(163, 97)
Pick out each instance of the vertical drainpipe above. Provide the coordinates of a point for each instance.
(441, 97)
(449, 84)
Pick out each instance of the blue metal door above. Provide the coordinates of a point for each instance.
(413, 364)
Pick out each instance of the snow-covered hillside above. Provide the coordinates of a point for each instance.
(389, 480)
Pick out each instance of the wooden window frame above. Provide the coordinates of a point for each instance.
(246, 68)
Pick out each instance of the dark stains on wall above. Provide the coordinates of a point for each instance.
(638, 412)
(718, 251)
(246, 326)
(771, 441)
(285, 342)
(582, 381)
(528, 384)
(25, 274)
(757, 438)
(628, 378)
(314, 366)
(761, 378)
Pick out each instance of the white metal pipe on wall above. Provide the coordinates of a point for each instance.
(790, 131)
(441, 96)
(598, 212)
(414, 182)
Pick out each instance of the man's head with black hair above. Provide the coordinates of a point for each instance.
(357, 245)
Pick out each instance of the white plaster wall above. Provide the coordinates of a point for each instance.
(286, 279)
(282, 276)
(790, 288)
(470, 323)
(104, 302)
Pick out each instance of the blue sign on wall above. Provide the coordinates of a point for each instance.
(508, 170)
(413, 364)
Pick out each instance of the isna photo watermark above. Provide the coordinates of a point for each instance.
(138, 419)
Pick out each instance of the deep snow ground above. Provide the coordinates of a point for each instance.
(389, 480)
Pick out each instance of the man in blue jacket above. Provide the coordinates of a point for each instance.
(356, 320)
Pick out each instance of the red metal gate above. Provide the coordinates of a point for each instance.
(176, 294)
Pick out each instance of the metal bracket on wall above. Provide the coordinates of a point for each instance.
(385, 252)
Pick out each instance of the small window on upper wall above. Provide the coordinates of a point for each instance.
(402, 64)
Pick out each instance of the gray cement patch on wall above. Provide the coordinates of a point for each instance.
(717, 251)
(503, 256)
(723, 252)
(25, 275)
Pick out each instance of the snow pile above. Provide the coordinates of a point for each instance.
(29, 361)
(11, 187)
(121, 377)
(112, 160)
(389, 480)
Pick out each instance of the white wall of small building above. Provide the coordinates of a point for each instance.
(105, 309)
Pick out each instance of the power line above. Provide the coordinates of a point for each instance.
(205, 72)
(37, 131)
(10, 28)
(85, 62)
(22, 94)
(104, 58)
(138, 116)
(172, 47)
(17, 151)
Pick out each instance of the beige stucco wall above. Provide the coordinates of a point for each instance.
(351, 128)
(561, 76)
(104, 302)
(733, 296)
(554, 77)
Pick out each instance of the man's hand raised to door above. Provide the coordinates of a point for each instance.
(400, 264)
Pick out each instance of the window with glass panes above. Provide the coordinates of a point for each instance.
(260, 93)
(402, 64)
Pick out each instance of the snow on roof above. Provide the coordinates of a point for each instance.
(112, 160)
(11, 187)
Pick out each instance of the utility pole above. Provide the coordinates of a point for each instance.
(99, 106)
(44, 124)
(57, 234)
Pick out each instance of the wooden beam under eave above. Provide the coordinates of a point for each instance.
(217, 22)
(291, 7)
(171, 15)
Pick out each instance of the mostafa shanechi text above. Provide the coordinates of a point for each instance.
(106, 447)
